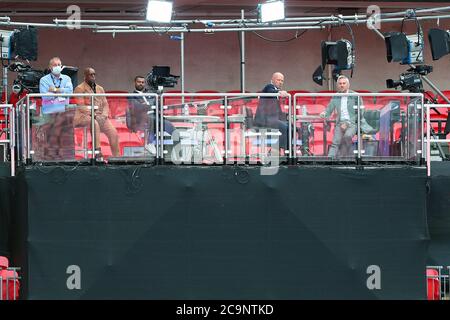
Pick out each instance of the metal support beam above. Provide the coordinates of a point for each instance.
(182, 65)
(242, 56)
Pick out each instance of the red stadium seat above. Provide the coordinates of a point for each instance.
(312, 109)
(4, 263)
(438, 119)
(429, 95)
(252, 104)
(10, 285)
(130, 136)
(324, 100)
(441, 100)
(117, 105)
(237, 102)
(373, 106)
(215, 109)
(366, 99)
(83, 144)
(433, 285)
(206, 98)
(301, 100)
(10, 282)
(175, 102)
(120, 126)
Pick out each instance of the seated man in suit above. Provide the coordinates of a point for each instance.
(101, 121)
(138, 117)
(269, 113)
(346, 119)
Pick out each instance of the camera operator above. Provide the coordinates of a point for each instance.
(58, 127)
(138, 118)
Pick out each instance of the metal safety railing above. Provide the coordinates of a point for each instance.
(31, 117)
(220, 127)
(227, 110)
(408, 114)
(40, 110)
(431, 136)
(10, 134)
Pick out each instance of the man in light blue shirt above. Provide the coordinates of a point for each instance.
(58, 142)
(57, 83)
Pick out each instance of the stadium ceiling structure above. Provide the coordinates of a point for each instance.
(209, 17)
(200, 16)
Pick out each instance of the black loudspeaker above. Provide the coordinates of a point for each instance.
(326, 47)
(336, 53)
(24, 44)
(396, 46)
(439, 43)
(318, 76)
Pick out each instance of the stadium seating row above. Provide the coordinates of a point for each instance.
(9, 281)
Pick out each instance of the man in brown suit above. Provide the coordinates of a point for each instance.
(102, 122)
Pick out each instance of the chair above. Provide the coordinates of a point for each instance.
(366, 99)
(324, 100)
(433, 285)
(4, 263)
(117, 105)
(10, 285)
(263, 139)
(301, 100)
(370, 146)
(260, 137)
(81, 144)
(429, 95)
(441, 100)
(206, 98)
(10, 281)
(120, 126)
(438, 119)
(175, 101)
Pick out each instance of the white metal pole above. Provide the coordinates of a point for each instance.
(182, 66)
(242, 57)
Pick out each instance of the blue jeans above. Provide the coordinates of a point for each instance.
(168, 127)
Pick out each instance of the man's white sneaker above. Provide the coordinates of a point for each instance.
(151, 149)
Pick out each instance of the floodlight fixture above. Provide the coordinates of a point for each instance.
(271, 11)
(159, 11)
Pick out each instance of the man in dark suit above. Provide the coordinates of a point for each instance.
(346, 119)
(138, 118)
(269, 113)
